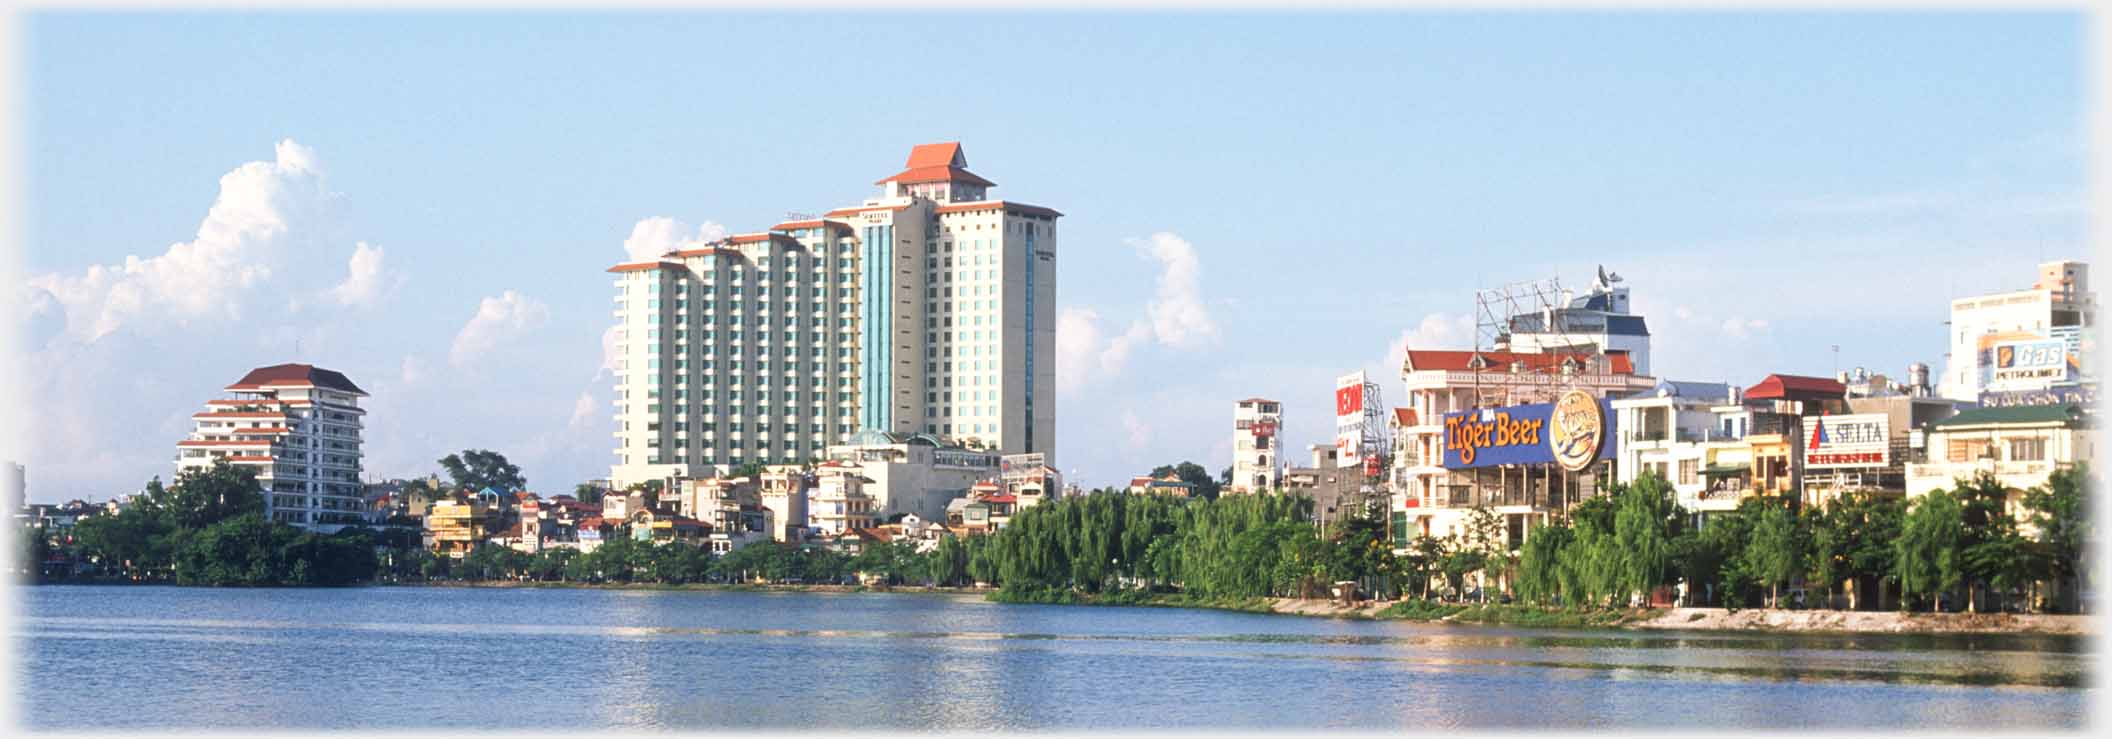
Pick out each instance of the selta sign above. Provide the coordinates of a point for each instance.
(1572, 432)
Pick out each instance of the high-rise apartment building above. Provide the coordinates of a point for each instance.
(1257, 446)
(929, 309)
(298, 427)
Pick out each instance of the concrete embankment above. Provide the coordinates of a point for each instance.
(1874, 622)
(1751, 619)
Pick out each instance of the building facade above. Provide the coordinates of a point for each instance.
(2023, 341)
(1432, 495)
(298, 427)
(1257, 446)
(2021, 447)
(929, 309)
(914, 473)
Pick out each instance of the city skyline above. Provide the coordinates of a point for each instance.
(458, 274)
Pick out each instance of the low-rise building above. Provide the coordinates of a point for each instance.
(840, 502)
(913, 473)
(1257, 446)
(2020, 446)
(456, 525)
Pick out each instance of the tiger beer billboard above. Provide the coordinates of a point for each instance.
(1575, 432)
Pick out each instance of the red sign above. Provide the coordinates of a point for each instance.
(1349, 400)
(1264, 429)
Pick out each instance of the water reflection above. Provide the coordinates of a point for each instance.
(554, 659)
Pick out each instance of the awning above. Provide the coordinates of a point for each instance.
(1725, 470)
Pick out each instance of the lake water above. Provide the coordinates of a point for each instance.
(560, 660)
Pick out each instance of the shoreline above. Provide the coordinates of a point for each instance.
(1749, 620)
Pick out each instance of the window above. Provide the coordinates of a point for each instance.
(1689, 469)
(2027, 450)
(1967, 450)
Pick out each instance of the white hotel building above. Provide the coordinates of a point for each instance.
(929, 309)
(298, 427)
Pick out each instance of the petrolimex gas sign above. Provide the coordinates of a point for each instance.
(1574, 431)
(1839, 442)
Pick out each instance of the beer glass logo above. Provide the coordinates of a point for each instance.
(1576, 428)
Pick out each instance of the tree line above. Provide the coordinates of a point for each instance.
(209, 528)
(1963, 545)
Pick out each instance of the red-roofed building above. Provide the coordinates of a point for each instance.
(1589, 344)
(937, 232)
(298, 427)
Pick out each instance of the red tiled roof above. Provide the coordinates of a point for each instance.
(917, 175)
(942, 154)
(236, 442)
(1795, 387)
(639, 266)
(1460, 361)
(295, 375)
(1001, 499)
(1404, 416)
(1007, 205)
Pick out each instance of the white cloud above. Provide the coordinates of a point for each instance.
(1175, 317)
(500, 318)
(364, 283)
(1137, 433)
(1739, 328)
(1178, 317)
(659, 235)
(608, 351)
(413, 370)
(582, 411)
(1435, 331)
(268, 216)
(1077, 346)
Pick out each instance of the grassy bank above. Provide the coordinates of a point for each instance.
(1131, 598)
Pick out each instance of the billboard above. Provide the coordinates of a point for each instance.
(1842, 442)
(1349, 419)
(1349, 399)
(2083, 394)
(1262, 429)
(1572, 431)
(1021, 466)
(2022, 360)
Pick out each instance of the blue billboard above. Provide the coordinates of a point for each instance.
(1574, 431)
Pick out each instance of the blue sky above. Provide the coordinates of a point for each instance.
(1770, 184)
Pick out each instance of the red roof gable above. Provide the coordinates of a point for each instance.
(916, 175)
(1404, 416)
(942, 154)
(1796, 387)
(295, 375)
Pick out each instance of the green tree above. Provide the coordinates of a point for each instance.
(588, 493)
(2060, 522)
(1775, 554)
(1644, 522)
(1540, 564)
(1206, 486)
(477, 469)
(1928, 555)
(204, 496)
